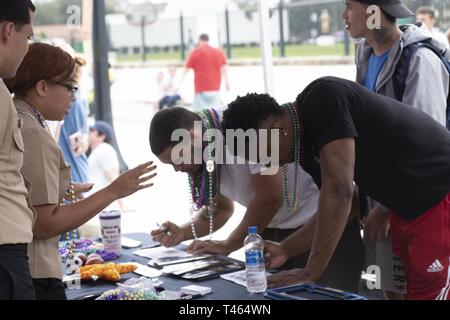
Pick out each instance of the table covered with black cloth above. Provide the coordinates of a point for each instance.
(221, 289)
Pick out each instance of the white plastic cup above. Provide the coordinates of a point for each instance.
(110, 226)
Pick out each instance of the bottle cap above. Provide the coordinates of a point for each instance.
(252, 230)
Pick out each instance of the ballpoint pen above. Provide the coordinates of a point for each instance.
(166, 231)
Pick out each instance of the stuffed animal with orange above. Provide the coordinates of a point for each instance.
(109, 271)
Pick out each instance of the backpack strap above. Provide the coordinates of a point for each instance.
(402, 69)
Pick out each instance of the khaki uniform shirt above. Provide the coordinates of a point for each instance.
(45, 168)
(16, 216)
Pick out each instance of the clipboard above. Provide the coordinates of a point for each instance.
(211, 267)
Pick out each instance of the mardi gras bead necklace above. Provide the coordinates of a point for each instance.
(204, 186)
(291, 190)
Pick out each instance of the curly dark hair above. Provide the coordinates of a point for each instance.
(250, 111)
(165, 122)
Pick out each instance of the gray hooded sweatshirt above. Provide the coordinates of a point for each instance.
(427, 83)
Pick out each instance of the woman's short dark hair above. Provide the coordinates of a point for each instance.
(42, 62)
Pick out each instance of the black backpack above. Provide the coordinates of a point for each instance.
(402, 69)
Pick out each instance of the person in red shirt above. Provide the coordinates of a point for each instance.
(209, 65)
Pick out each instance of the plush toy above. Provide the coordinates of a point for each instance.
(109, 271)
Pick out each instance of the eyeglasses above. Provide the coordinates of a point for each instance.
(72, 89)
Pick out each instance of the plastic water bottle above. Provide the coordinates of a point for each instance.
(254, 261)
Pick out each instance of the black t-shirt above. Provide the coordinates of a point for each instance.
(402, 156)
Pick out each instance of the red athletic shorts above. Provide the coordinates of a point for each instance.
(423, 245)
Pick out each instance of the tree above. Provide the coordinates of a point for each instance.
(246, 5)
(305, 20)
